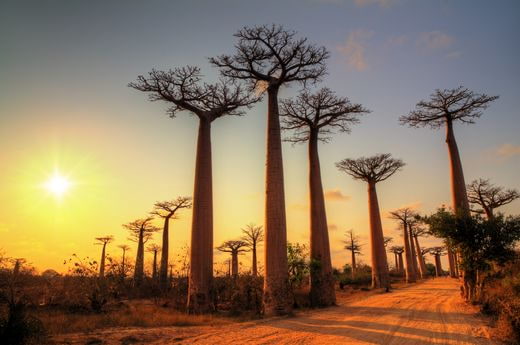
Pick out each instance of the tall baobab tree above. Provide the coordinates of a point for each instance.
(141, 230)
(437, 252)
(234, 248)
(405, 216)
(413, 249)
(154, 248)
(417, 230)
(398, 255)
(487, 196)
(103, 241)
(353, 245)
(253, 235)
(124, 248)
(269, 57)
(373, 170)
(313, 118)
(183, 88)
(167, 210)
(444, 108)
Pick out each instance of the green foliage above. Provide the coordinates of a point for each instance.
(297, 263)
(430, 269)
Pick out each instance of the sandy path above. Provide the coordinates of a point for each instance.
(423, 314)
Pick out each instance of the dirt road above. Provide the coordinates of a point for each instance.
(422, 314)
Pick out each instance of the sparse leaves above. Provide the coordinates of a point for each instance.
(371, 169)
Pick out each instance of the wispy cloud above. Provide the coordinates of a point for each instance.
(382, 3)
(333, 227)
(434, 41)
(336, 195)
(508, 150)
(354, 49)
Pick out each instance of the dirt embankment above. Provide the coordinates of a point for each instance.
(422, 314)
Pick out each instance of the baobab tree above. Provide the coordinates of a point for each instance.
(234, 248)
(313, 118)
(487, 196)
(406, 216)
(124, 248)
(398, 255)
(352, 244)
(183, 88)
(141, 230)
(417, 230)
(413, 250)
(154, 248)
(437, 252)
(444, 108)
(269, 57)
(373, 170)
(103, 241)
(167, 210)
(253, 235)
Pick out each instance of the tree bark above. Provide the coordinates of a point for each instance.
(102, 264)
(451, 263)
(353, 263)
(458, 186)
(255, 267)
(322, 282)
(410, 275)
(401, 265)
(123, 274)
(154, 271)
(277, 295)
(201, 254)
(234, 264)
(420, 258)
(163, 269)
(413, 252)
(438, 266)
(380, 277)
(396, 262)
(139, 260)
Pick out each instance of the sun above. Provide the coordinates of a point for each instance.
(57, 185)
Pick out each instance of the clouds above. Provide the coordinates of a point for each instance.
(382, 3)
(433, 41)
(508, 150)
(354, 49)
(335, 195)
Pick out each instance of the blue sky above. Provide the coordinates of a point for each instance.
(64, 67)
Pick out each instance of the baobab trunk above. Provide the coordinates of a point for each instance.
(410, 274)
(154, 272)
(139, 260)
(438, 266)
(163, 269)
(396, 263)
(234, 264)
(420, 258)
(413, 252)
(201, 254)
(458, 186)
(353, 264)
(451, 263)
(255, 267)
(123, 274)
(401, 265)
(380, 277)
(322, 282)
(102, 265)
(277, 299)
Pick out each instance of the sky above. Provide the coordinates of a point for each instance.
(65, 108)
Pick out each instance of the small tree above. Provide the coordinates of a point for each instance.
(352, 244)
(124, 248)
(103, 241)
(269, 57)
(141, 230)
(167, 210)
(298, 265)
(437, 252)
(373, 170)
(154, 248)
(253, 235)
(487, 196)
(405, 216)
(234, 248)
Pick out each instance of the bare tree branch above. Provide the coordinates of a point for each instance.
(371, 169)
(484, 194)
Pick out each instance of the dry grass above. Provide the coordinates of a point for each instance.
(135, 315)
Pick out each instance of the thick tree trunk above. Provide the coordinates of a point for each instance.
(458, 186)
(234, 264)
(413, 251)
(201, 254)
(420, 258)
(277, 296)
(410, 275)
(396, 263)
(255, 267)
(438, 266)
(353, 271)
(102, 264)
(401, 264)
(123, 274)
(322, 282)
(451, 263)
(154, 270)
(380, 277)
(139, 261)
(163, 269)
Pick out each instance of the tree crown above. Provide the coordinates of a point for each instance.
(483, 193)
(234, 247)
(105, 239)
(273, 55)
(371, 169)
(460, 104)
(167, 209)
(253, 234)
(318, 114)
